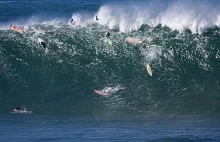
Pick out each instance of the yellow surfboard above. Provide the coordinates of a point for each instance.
(110, 42)
(149, 69)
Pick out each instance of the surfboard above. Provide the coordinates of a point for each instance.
(133, 40)
(149, 69)
(101, 93)
(17, 29)
(110, 42)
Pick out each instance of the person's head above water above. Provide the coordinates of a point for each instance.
(43, 44)
(18, 108)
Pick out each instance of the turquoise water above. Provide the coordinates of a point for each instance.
(180, 102)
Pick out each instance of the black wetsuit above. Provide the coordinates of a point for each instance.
(108, 35)
(18, 108)
(43, 45)
(96, 18)
(72, 22)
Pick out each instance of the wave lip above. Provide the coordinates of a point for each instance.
(127, 16)
(178, 15)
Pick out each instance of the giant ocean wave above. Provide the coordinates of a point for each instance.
(185, 68)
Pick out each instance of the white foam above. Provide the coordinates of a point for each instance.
(21, 111)
(151, 52)
(111, 90)
(195, 15)
(178, 15)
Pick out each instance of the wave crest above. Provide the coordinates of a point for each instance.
(178, 15)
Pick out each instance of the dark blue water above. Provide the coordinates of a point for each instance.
(180, 102)
(165, 128)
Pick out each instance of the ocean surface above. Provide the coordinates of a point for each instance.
(180, 41)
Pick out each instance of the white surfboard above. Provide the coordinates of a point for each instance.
(149, 69)
(133, 40)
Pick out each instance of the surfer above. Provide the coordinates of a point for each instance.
(107, 34)
(43, 44)
(96, 18)
(19, 109)
(72, 22)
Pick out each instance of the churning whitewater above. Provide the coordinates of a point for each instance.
(180, 40)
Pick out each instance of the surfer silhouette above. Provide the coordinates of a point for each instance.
(72, 22)
(43, 45)
(19, 108)
(96, 18)
(107, 34)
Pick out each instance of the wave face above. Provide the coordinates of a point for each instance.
(185, 68)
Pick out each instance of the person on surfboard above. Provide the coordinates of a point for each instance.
(96, 18)
(107, 34)
(43, 44)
